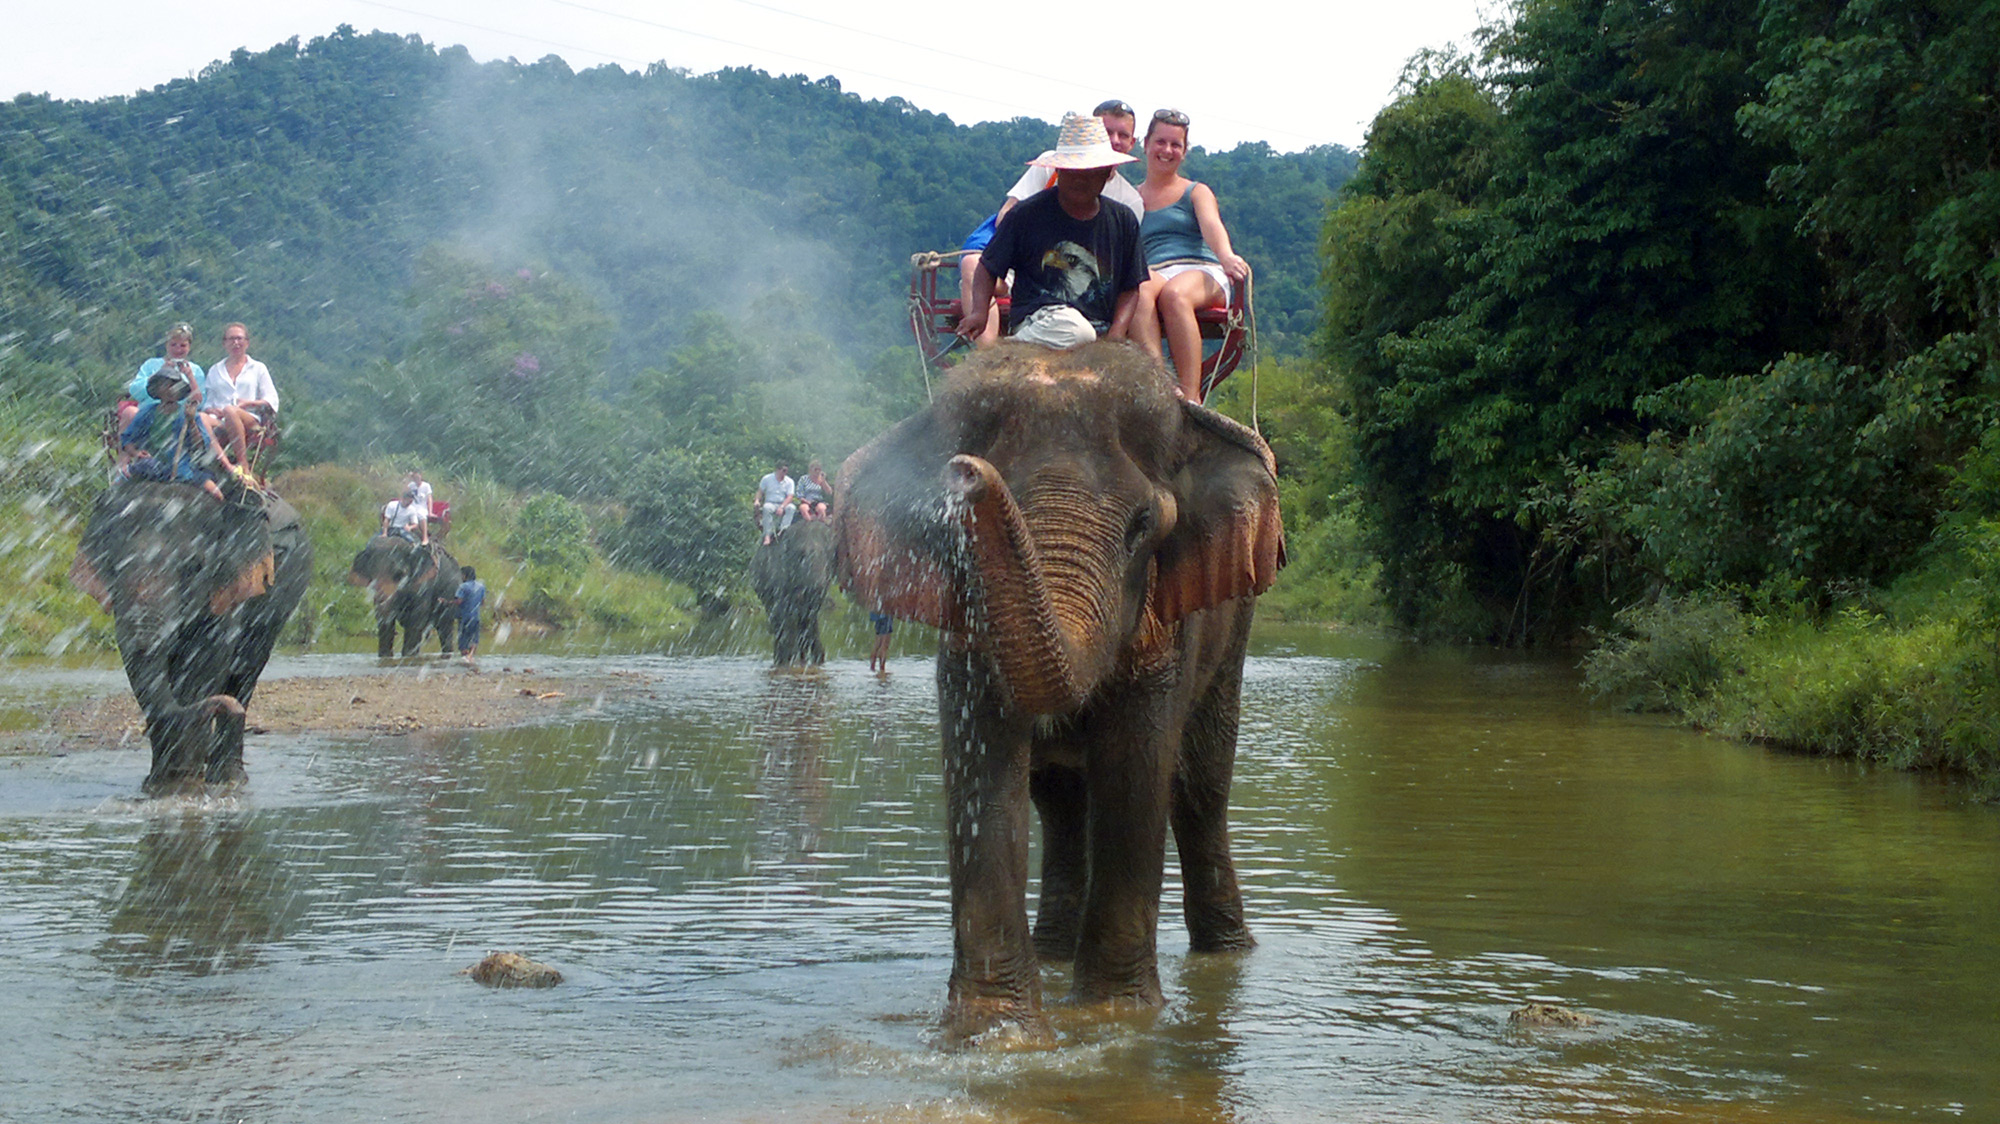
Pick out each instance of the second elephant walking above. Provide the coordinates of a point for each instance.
(791, 574)
(413, 587)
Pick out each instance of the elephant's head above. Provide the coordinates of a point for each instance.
(390, 564)
(1061, 511)
(173, 567)
(159, 556)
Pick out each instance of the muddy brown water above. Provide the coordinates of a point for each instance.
(740, 877)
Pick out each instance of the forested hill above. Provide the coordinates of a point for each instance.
(300, 188)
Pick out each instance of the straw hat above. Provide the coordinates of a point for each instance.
(1082, 144)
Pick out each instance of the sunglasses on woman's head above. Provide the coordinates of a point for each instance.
(1170, 117)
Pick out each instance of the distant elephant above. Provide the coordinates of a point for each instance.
(413, 587)
(791, 576)
(1091, 548)
(199, 590)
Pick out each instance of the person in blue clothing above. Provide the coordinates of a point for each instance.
(169, 453)
(471, 595)
(878, 658)
(180, 341)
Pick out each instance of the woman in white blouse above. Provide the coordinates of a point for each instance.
(239, 392)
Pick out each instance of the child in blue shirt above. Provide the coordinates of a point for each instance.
(471, 595)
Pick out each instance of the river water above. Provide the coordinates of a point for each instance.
(740, 874)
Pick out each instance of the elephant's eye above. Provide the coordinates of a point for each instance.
(190, 569)
(1137, 531)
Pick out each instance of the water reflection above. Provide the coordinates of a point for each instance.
(203, 896)
(792, 727)
(741, 875)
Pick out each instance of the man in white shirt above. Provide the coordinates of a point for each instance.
(416, 480)
(406, 517)
(774, 502)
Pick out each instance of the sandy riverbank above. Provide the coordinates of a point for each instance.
(399, 700)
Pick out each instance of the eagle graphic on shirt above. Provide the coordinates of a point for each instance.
(1077, 268)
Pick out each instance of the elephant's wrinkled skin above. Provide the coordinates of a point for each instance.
(413, 587)
(199, 591)
(791, 576)
(1091, 548)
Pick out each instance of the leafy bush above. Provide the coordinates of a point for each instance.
(552, 532)
(1909, 697)
(688, 516)
(54, 477)
(1671, 653)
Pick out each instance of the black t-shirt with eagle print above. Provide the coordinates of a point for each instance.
(1057, 259)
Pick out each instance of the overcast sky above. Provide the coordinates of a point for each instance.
(1292, 73)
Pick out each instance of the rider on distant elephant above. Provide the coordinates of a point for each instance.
(814, 493)
(773, 502)
(407, 518)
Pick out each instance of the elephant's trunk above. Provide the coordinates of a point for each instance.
(1038, 633)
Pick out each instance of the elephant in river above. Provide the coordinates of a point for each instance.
(413, 587)
(791, 574)
(199, 590)
(1090, 547)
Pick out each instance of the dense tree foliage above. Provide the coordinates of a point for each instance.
(313, 191)
(1672, 296)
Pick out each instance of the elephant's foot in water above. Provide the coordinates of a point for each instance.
(1137, 988)
(987, 1022)
(198, 748)
(1224, 934)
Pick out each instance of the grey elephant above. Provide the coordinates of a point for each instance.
(791, 574)
(413, 587)
(1090, 547)
(199, 590)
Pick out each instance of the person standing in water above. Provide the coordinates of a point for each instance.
(471, 595)
(878, 659)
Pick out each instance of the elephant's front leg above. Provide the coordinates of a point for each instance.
(1063, 803)
(415, 621)
(385, 635)
(1129, 770)
(1212, 898)
(995, 974)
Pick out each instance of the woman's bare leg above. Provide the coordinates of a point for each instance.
(1178, 301)
(1145, 329)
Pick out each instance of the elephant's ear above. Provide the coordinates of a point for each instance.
(1228, 540)
(83, 575)
(252, 580)
(887, 527)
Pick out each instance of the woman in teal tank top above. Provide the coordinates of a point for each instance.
(1187, 252)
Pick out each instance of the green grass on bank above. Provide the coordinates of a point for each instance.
(582, 596)
(1909, 680)
(48, 479)
(52, 478)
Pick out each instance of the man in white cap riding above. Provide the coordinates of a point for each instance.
(1077, 262)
